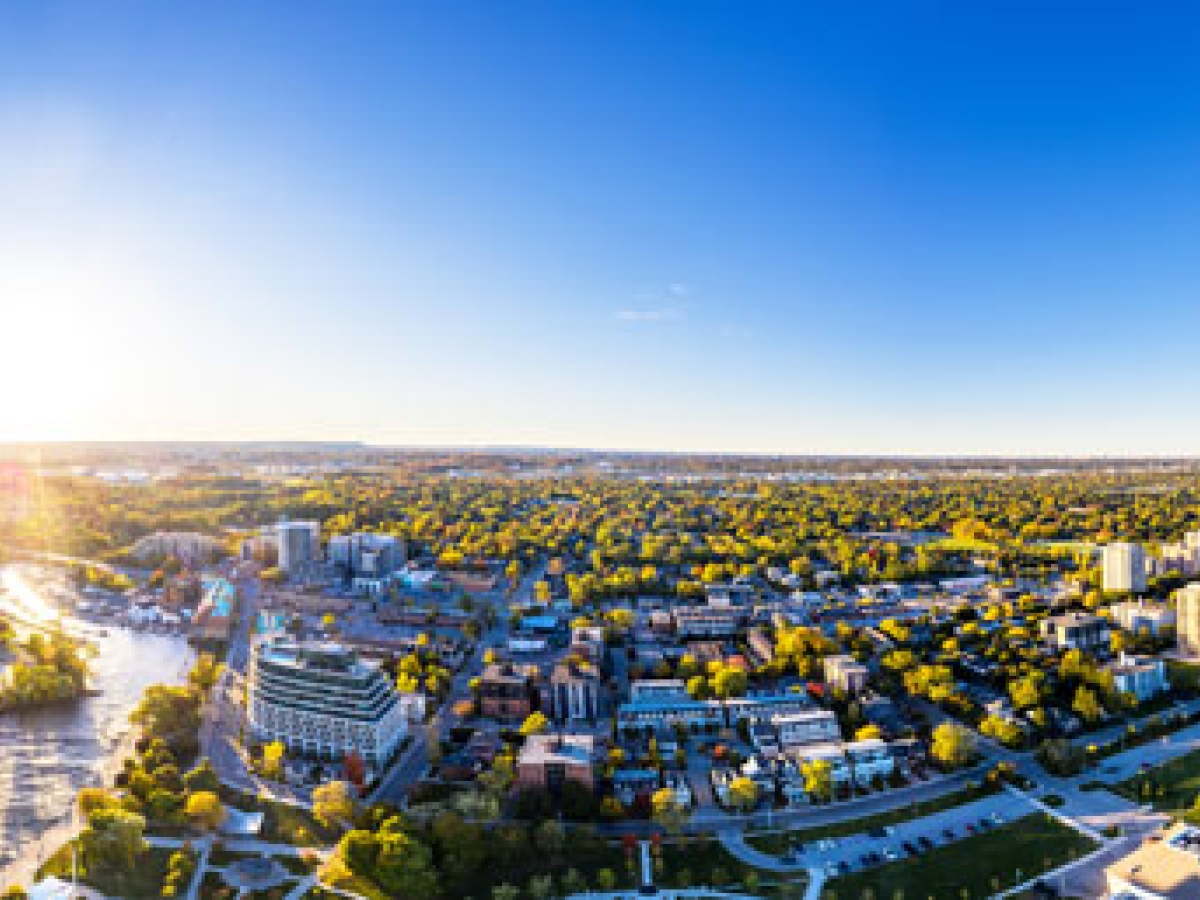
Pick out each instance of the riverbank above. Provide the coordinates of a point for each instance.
(23, 870)
(52, 752)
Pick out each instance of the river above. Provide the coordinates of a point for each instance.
(46, 755)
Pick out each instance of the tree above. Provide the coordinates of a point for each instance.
(355, 769)
(171, 713)
(743, 793)
(272, 760)
(535, 723)
(113, 839)
(359, 850)
(729, 681)
(1087, 705)
(1004, 730)
(90, 799)
(505, 892)
(540, 887)
(333, 803)
(818, 778)
(953, 745)
(205, 811)
(205, 673)
(667, 811)
(405, 867)
(202, 778)
(550, 837)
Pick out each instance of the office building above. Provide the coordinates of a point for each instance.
(366, 554)
(1124, 568)
(320, 701)
(1187, 620)
(299, 544)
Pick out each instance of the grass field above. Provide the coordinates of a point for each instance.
(1171, 787)
(973, 868)
(146, 879)
(777, 842)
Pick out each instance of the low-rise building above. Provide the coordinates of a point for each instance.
(764, 707)
(707, 621)
(663, 713)
(1142, 676)
(507, 691)
(811, 726)
(1164, 869)
(1139, 615)
(846, 673)
(1075, 631)
(870, 759)
(551, 760)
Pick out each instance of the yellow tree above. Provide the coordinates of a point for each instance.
(204, 810)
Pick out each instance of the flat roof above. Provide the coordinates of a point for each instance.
(1169, 868)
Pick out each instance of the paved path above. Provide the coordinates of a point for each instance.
(193, 890)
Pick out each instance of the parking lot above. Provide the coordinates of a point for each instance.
(860, 851)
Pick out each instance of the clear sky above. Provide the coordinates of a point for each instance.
(805, 227)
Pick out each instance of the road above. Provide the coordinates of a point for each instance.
(220, 731)
(413, 762)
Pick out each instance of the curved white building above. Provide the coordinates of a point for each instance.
(320, 700)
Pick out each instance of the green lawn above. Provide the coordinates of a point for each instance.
(699, 861)
(777, 842)
(1171, 787)
(144, 881)
(973, 868)
(282, 823)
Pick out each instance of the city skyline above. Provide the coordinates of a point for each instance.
(930, 231)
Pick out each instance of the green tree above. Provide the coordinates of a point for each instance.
(953, 745)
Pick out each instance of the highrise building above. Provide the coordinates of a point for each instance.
(299, 543)
(1187, 619)
(1124, 568)
(366, 554)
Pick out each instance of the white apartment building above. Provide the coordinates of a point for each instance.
(657, 689)
(1136, 615)
(763, 707)
(809, 727)
(320, 701)
(1124, 568)
(1187, 619)
(1184, 556)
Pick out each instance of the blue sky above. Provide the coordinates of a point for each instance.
(925, 228)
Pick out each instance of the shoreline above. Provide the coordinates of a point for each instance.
(23, 870)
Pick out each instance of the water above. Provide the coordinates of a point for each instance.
(47, 755)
